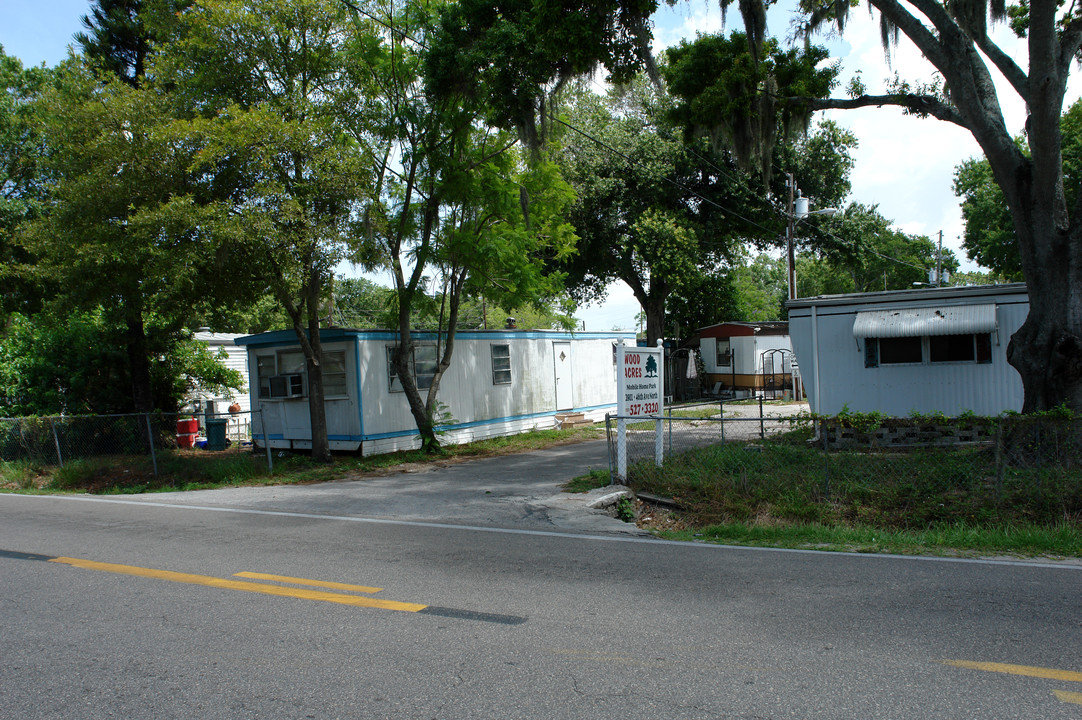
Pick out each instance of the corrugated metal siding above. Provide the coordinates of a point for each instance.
(915, 322)
(899, 390)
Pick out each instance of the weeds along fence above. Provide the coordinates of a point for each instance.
(928, 469)
(55, 441)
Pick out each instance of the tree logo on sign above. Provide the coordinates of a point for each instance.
(651, 367)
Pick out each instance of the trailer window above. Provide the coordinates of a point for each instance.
(266, 368)
(422, 365)
(334, 373)
(971, 348)
(291, 362)
(724, 353)
(893, 351)
(501, 364)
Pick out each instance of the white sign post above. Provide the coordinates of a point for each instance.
(640, 392)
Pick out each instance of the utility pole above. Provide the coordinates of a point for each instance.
(939, 262)
(789, 240)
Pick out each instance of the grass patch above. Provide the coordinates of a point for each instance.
(1059, 541)
(590, 481)
(180, 470)
(782, 492)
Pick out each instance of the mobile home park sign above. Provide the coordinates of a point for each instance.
(640, 392)
(639, 382)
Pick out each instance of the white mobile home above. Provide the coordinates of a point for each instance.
(924, 351)
(499, 383)
(747, 358)
(236, 358)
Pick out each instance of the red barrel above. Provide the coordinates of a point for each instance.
(186, 432)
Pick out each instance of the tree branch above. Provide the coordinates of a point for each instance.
(1015, 75)
(925, 40)
(920, 104)
(1070, 41)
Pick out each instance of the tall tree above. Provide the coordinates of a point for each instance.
(108, 237)
(271, 87)
(512, 57)
(664, 211)
(117, 38)
(23, 179)
(989, 238)
(649, 207)
(453, 202)
(953, 38)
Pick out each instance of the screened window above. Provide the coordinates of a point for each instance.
(266, 368)
(724, 353)
(962, 348)
(422, 365)
(291, 361)
(281, 375)
(896, 351)
(501, 364)
(334, 373)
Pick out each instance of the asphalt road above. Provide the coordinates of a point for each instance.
(133, 608)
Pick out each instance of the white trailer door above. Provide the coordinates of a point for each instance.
(565, 395)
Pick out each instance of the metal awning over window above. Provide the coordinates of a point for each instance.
(915, 322)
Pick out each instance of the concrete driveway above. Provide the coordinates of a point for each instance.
(520, 491)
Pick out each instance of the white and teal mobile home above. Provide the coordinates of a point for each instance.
(499, 383)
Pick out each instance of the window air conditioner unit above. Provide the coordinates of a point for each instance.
(287, 386)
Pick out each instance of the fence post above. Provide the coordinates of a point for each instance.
(608, 440)
(721, 418)
(669, 411)
(266, 443)
(659, 439)
(56, 442)
(150, 440)
(762, 429)
(826, 460)
(999, 462)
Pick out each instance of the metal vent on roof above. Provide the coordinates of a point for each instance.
(915, 322)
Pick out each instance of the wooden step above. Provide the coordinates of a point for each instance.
(572, 420)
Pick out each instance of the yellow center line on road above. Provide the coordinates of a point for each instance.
(304, 581)
(1068, 697)
(1027, 670)
(260, 588)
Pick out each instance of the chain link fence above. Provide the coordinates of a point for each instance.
(54, 441)
(931, 469)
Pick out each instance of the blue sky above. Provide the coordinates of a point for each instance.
(903, 164)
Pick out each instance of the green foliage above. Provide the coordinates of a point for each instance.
(73, 365)
(739, 99)
(761, 289)
(506, 58)
(191, 366)
(703, 300)
(648, 206)
(625, 509)
(590, 481)
(783, 484)
(66, 365)
(121, 34)
(22, 179)
(456, 209)
(989, 238)
(859, 251)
